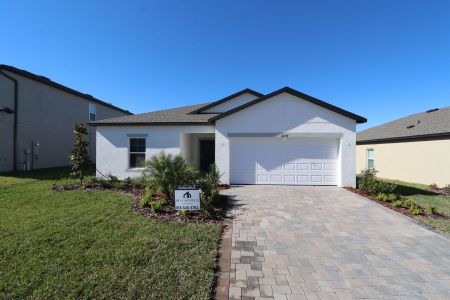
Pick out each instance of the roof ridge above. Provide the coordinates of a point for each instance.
(227, 98)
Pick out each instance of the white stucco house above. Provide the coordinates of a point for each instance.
(285, 137)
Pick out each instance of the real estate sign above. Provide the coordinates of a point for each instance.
(187, 197)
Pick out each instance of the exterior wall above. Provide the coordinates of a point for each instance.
(46, 115)
(112, 145)
(6, 125)
(287, 113)
(232, 103)
(422, 161)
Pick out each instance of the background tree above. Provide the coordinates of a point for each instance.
(79, 155)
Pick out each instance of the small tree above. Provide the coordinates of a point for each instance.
(79, 155)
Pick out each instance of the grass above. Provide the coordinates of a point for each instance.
(420, 194)
(80, 244)
(409, 188)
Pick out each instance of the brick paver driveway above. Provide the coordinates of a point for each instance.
(327, 243)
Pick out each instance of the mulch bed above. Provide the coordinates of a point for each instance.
(402, 210)
(167, 212)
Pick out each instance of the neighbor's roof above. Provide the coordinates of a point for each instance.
(61, 87)
(434, 123)
(193, 114)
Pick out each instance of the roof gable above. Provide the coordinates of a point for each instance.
(212, 105)
(298, 94)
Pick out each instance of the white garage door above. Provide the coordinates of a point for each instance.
(302, 161)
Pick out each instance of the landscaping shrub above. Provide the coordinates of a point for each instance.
(431, 209)
(382, 197)
(104, 183)
(165, 171)
(209, 184)
(387, 197)
(433, 187)
(398, 203)
(446, 189)
(368, 176)
(409, 202)
(384, 187)
(371, 184)
(415, 209)
(393, 197)
(79, 157)
(145, 201)
(156, 206)
(184, 212)
(138, 182)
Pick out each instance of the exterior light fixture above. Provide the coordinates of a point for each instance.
(6, 110)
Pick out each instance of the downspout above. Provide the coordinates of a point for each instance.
(16, 101)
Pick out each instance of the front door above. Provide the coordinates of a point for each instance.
(207, 154)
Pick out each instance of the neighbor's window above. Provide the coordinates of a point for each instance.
(137, 152)
(370, 160)
(92, 112)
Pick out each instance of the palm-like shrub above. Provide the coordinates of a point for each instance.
(165, 171)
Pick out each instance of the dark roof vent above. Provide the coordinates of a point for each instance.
(432, 110)
(410, 126)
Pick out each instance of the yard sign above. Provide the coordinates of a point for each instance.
(187, 197)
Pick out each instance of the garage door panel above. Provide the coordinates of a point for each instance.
(272, 161)
(289, 167)
(330, 166)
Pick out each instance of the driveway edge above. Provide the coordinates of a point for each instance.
(224, 256)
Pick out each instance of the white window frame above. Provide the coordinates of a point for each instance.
(92, 110)
(144, 137)
(372, 159)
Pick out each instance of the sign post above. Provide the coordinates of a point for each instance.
(187, 197)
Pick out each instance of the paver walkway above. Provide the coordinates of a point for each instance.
(293, 242)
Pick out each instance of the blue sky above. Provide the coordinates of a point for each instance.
(381, 59)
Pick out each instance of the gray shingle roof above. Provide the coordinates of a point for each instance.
(192, 114)
(180, 115)
(435, 123)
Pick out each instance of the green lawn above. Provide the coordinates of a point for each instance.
(79, 244)
(420, 194)
(442, 204)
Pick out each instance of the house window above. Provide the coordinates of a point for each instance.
(370, 159)
(92, 112)
(137, 152)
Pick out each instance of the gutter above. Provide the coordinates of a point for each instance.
(410, 138)
(16, 104)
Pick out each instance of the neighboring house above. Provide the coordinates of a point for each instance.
(415, 148)
(285, 137)
(37, 117)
